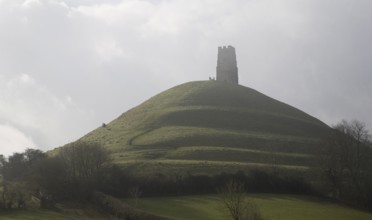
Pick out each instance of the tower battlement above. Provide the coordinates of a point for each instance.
(227, 70)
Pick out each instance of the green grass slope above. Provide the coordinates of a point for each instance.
(64, 213)
(211, 122)
(271, 206)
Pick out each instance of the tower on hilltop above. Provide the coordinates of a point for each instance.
(227, 70)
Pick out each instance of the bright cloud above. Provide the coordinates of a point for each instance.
(34, 111)
(12, 140)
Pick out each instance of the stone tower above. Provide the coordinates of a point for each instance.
(227, 70)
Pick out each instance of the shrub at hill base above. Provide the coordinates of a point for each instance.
(19, 177)
(75, 173)
(254, 181)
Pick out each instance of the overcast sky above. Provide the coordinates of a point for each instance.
(67, 66)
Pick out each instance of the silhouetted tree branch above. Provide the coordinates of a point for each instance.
(347, 160)
(234, 198)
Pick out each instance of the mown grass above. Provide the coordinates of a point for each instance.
(238, 155)
(184, 207)
(199, 167)
(32, 215)
(63, 213)
(272, 207)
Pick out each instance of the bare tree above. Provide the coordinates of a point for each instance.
(135, 193)
(347, 158)
(84, 162)
(234, 198)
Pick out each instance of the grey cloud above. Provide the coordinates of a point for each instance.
(109, 56)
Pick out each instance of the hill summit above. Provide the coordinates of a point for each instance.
(211, 124)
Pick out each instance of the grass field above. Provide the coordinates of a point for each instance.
(32, 215)
(64, 213)
(272, 207)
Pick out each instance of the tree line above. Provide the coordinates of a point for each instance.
(346, 163)
(81, 168)
(75, 172)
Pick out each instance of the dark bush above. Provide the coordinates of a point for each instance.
(162, 185)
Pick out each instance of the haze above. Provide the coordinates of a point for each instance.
(67, 66)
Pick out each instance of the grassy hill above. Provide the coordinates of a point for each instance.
(210, 124)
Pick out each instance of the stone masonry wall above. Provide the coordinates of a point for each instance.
(227, 70)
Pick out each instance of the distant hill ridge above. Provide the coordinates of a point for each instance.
(211, 125)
